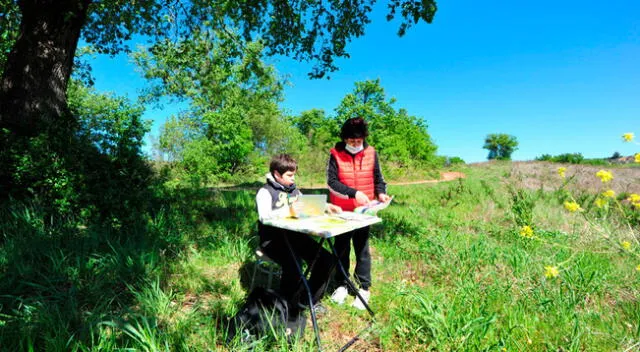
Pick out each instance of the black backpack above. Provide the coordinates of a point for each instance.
(264, 313)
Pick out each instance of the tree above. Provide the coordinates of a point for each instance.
(232, 120)
(319, 129)
(398, 136)
(38, 67)
(500, 146)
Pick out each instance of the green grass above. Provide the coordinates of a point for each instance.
(450, 273)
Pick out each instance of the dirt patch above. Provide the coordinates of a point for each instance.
(444, 177)
(451, 175)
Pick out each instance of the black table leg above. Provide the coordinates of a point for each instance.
(305, 284)
(353, 288)
(308, 289)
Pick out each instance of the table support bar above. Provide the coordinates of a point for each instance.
(308, 289)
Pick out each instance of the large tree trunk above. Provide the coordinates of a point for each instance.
(34, 83)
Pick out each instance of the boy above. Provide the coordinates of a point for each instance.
(274, 200)
(354, 178)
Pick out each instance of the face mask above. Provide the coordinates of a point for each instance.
(353, 150)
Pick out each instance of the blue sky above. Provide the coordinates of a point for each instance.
(561, 76)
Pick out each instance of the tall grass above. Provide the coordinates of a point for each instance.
(451, 272)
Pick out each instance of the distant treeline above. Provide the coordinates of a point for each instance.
(578, 158)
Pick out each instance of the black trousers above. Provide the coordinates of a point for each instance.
(272, 241)
(360, 238)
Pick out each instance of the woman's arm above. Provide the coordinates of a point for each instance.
(335, 186)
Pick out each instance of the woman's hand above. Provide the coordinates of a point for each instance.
(361, 198)
(383, 197)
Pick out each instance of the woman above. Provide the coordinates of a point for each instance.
(354, 179)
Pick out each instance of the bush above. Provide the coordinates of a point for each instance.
(568, 158)
(456, 160)
(88, 165)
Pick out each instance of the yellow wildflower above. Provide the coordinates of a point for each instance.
(609, 193)
(626, 245)
(634, 199)
(600, 202)
(526, 231)
(638, 267)
(561, 171)
(604, 176)
(637, 157)
(551, 271)
(628, 137)
(572, 206)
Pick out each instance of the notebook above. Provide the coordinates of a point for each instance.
(309, 205)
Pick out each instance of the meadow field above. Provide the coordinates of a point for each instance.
(500, 260)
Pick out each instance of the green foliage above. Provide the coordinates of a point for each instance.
(571, 158)
(402, 141)
(500, 146)
(308, 31)
(93, 170)
(318, 128)
(232, 124)
(175, 134)
(222, 150)
(319, 132)
(596, 162)
(10, 18)
(455, 160)
(398, 136)
(522, 206)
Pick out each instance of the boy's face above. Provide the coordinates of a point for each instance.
(286, 179)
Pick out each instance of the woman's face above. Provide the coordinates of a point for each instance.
(354, 142)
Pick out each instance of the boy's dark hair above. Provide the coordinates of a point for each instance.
(355, 127)
(283, 163)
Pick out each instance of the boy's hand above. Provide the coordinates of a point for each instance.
(333, 209)
(292, 211)
(361, 198)
(383, 197)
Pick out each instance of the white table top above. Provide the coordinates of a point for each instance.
(326, 226)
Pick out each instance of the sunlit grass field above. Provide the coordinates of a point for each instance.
(453, 269)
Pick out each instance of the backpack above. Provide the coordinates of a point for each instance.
(264, 313)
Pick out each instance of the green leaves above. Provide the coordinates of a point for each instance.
(232, 120)
(500, 146)
(398, 136)
(314, 31)
(9, 24)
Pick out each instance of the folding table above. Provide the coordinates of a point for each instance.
(325, 227)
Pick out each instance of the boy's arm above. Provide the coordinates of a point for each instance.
(266, 211)
(335, 186)
(263, 201)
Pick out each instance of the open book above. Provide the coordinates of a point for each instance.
(373, 207)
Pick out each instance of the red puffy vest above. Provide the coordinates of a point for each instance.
(355, 172)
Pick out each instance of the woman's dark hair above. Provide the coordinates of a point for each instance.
(283, 163)
(355, 127)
